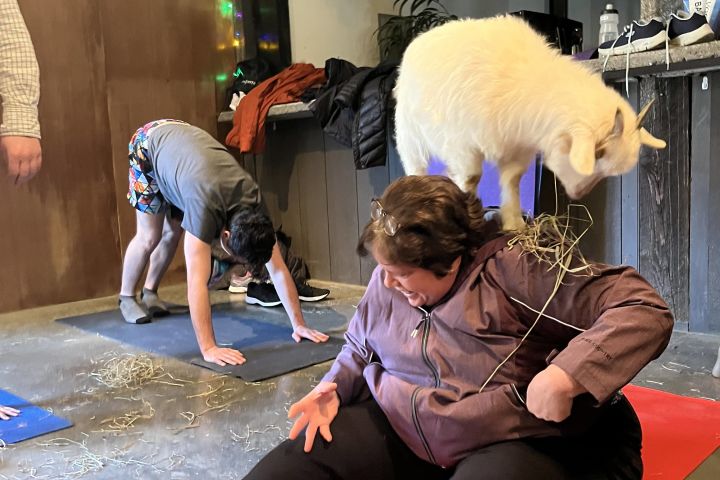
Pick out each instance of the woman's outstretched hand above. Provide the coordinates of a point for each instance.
(316, 411)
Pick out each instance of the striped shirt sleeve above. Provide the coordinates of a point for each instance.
(19, 75)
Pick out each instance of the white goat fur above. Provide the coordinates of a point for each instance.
(493, 89)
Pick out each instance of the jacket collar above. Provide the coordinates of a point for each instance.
(487, 250)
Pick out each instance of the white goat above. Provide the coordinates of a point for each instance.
(493, 89)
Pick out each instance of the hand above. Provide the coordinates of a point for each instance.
(7, 412)
(550, 394)
(24, 157)
(223, 356)
(317, 410)
(303, 331)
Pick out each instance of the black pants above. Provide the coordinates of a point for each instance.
(365, 447)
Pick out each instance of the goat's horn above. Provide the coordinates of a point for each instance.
(644, 112)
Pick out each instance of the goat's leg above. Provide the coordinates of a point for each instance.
(411, 147)
(466, 170)
(510, 211)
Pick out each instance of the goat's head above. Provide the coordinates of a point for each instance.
(588, 160)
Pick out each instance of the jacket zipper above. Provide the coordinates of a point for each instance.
(425, 324)
(426, 333)
(426, 446)
(417, 328)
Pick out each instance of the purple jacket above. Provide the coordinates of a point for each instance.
(425, 368)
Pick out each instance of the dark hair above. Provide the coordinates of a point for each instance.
(252, 237)
(438, 223)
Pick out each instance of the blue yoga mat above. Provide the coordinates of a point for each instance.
(33, 421)
(268, 347)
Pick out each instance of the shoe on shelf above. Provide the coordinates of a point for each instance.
(687, 29)
(262, 294)
(239, 284)
(636, 37)
(308, 293)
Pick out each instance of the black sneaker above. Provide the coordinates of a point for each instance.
(686, 29)
(641, 37)
(262, 294)
(308, 293)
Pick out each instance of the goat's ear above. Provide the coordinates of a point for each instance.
(582, 154)
(619, 123)
(647, 139)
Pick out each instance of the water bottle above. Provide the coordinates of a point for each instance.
(608, 24)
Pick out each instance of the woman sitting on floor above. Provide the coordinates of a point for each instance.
(471, 358)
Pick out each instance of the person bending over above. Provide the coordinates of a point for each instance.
(183, 180)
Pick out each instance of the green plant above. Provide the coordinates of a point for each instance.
(398, 31)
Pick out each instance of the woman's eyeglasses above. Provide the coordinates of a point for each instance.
(389, 223)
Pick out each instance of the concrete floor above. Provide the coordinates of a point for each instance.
(49, 364)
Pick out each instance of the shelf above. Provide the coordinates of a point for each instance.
(703, 57)
(284, 111)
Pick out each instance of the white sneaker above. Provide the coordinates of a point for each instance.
(636, 37)
(239, 284)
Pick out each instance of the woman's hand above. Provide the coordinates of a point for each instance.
(317, 410)
(7, 412)
(550, 394)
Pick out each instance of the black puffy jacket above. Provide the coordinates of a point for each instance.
(356, 108)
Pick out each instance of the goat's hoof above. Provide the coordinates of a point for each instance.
(514, 224)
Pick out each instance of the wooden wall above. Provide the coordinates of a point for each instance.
(124, 63)
(664, 195)
(663, 222)
(312, 190)
(704, 282)
(162, 67)
(106, 68)
(642, 218)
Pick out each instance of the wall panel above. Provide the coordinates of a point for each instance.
(120, 64)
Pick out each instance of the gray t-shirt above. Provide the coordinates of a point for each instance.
(197, 174)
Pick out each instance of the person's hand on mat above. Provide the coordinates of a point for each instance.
(223, 356)
(303, 331)
(550, 394)
(7, 412)
(317, 410)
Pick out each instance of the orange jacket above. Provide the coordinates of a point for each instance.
(248, 132)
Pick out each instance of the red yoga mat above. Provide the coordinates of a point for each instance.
(678, 432)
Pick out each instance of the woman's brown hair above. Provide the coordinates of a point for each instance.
(437, 221)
